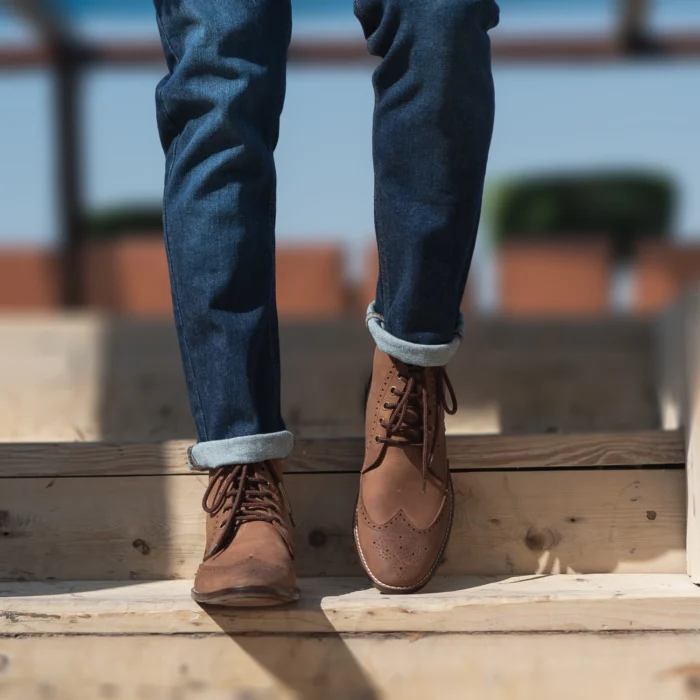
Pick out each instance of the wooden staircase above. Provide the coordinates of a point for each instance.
(566, 574)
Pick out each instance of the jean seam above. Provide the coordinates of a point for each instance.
(273, 298)
(272, 220)
(176, 294)
(383, 267)
(379, 235)
(166, 111)
(159, 90)
(166, 38)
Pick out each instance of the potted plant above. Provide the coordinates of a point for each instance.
(126, 268)
(559, 235)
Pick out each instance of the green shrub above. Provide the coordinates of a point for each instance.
(131, 219)
(623, 206)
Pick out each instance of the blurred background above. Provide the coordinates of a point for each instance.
(593, 193)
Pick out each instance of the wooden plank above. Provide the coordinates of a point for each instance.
(679, 398)
(506, 523)
(643, 666)
(91, 378)
(642, 448)
(566, 603)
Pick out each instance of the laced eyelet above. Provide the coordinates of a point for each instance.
(386, 406)
(392, 391)
(376, 438)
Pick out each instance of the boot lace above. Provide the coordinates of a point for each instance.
(245, 493)
(409, 422)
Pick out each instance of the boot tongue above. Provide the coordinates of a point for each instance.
(411, 427)
(239, 495)
(274, 468)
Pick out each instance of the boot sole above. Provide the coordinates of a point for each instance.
(248, 597)
(405, 590)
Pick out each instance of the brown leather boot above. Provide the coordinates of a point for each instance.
(405, 507)
(249, 557)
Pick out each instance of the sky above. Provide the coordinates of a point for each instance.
(548, 118)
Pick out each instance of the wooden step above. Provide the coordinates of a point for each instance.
(139, 517)
(90, 377)
(617, 636)
(82, 525)
(549, 603)
(638, 448)
(415, 666)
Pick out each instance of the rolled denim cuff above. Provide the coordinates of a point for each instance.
(412, 353)
(240, 450)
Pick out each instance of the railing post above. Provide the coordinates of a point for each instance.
(633, 28)
(66, 74)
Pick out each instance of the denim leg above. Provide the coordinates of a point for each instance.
(218, 111)
(433, 121)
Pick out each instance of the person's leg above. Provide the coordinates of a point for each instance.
(432, 131)
(218, 112)
(433, 122)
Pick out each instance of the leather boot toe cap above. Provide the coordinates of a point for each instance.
(249, 572)
(398, 556)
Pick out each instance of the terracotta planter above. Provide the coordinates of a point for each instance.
(29, 280)
(554, 278)
(661, 272)
(310, 282)
(128, 275)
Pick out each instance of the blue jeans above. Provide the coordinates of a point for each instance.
(218, 111)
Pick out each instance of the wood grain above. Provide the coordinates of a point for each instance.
(643, 666)
(641, 448)
(91, 378)
(574, 603)
(149, 527)
(678, 350)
